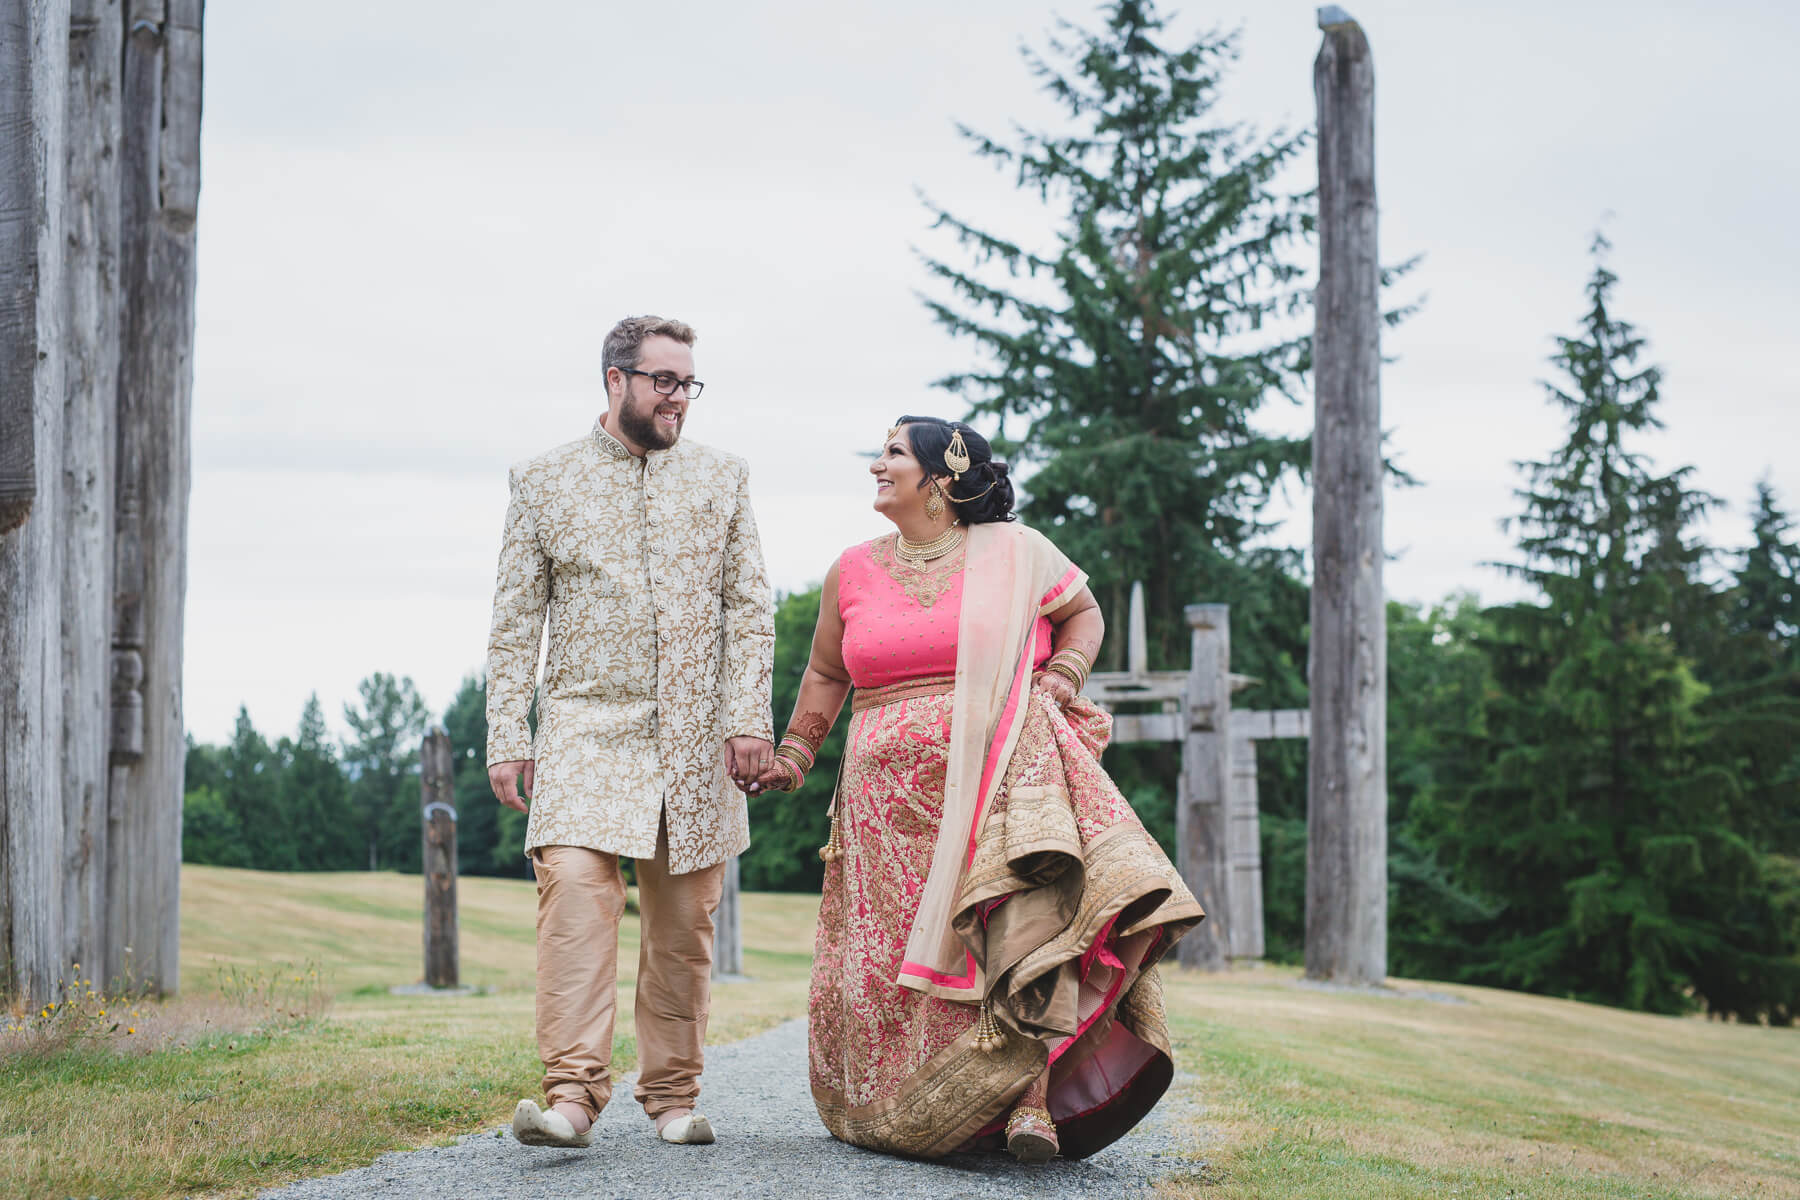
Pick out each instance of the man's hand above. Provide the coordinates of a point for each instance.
(746, 758)
(504, 779)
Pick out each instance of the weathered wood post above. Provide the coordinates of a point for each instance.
(90, 412)
(159, 201)
(1243, 817)
(30, 95)
(437, 796)
(1346, 821)
(33, 88)
(728, 936)
(1200, 802)
(99, 184)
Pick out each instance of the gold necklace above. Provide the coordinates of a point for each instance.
(919, 553)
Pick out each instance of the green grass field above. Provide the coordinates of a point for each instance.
(262, 1071)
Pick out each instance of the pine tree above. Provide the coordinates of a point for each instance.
(315, 797)
(1600, 814)
(1755, 674)
(1766, 597)
(1127, 366)
(210, 832)
(382, 756)
(251, 794)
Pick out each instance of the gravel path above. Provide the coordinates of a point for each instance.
(771, 1144)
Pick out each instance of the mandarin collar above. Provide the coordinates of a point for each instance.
(609, 445)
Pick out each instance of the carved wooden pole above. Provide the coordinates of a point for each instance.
(728, 941)
(90, 414)
(437, 775)
(160, 187)
(1200, 822)
(1346, 822)
(1244, 847)
(34, 70)
(29, 94)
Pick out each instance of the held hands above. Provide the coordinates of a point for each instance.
(747, 760)
(780, 777)
(504, 779)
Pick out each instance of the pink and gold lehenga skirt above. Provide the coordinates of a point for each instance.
(1066, 906)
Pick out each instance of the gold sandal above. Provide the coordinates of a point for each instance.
(1031, 1135)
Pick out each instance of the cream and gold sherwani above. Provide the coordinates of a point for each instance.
(662, 641)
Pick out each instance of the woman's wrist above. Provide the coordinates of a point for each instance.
(1072, 665)
(790, 762)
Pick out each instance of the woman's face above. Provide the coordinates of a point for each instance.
(897, 477)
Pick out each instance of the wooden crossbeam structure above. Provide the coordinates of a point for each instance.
(1218, 824)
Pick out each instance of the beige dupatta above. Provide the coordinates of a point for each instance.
(1011, 576)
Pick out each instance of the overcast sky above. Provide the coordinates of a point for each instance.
(419, 219)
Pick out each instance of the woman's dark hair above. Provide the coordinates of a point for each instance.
(930, 437)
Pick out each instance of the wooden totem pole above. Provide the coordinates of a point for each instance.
(99, 188)
(1346, 810)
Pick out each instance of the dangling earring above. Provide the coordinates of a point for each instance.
(934, 502)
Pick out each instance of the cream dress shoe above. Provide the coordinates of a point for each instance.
(534, 1126)
(691, 1130)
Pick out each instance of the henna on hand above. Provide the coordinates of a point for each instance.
(811, 728)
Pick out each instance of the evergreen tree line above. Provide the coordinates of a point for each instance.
(307, 803)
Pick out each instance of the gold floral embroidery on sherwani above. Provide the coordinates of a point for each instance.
(924, 582)
(649, 574)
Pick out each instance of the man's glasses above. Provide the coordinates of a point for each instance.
(664, 384)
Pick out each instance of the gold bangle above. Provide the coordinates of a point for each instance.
(792, 736)
(808, 752)
(1069, 667)
(795, 767)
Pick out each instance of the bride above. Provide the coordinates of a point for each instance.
(992, 909)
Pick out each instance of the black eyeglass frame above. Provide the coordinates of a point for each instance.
(693, 387)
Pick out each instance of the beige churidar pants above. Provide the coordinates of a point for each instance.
(581, 897)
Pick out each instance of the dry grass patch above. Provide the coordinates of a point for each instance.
(227, 1106)
(1314, 1092)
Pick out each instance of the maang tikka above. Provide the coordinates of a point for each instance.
(956, 455)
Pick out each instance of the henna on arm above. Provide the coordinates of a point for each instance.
(810, 727)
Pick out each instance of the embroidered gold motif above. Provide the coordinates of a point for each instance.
(650, 576)
(898, 1070)
(924, 583)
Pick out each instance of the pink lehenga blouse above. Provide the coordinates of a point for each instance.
(1060, 902)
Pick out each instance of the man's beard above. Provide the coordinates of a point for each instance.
(646, 430)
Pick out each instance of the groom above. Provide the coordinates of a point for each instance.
(641, 551)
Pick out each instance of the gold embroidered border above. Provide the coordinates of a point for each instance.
(952, 1098)
(893, 693)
